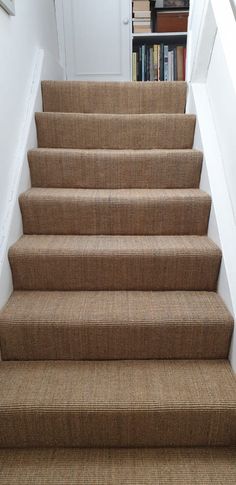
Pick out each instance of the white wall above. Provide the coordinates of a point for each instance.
(233, 2)
(212, 96)
(33, 26)
(28, 53)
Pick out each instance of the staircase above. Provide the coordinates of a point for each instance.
(114, 342)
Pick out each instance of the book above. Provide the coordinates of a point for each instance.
(166, 63)
(141, 5)
(141, 22)
(142, 14)
(170, 66)
(134, 66)
(141, 29)
(158, 62)
(180, 63)
(143, 62)
(151, 74)
(155, 62)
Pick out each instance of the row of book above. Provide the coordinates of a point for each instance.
(159, 62)
(141, 17)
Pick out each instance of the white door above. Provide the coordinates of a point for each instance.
(97, 39)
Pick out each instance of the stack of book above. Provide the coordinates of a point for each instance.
(159, 62)
(141, 17)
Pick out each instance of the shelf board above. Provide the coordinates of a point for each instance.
(160, 34)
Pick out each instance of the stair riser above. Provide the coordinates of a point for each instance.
(90, 97)
(87, 342)
(79, 215)
(115, 272)
(118, 429)
(60, 168)
(115, 132)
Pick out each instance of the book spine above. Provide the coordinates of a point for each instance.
(155, 62)
(134, 71)
(143, 63)
(169, 66)
(148, 63)
(172, 66)
(175, 63)
(159, 62)
(166, 70)
(152, 76)
(162, 63)
(140, 63)
(185, 53)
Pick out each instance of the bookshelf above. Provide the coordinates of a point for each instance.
(166, 62)
(153, 35)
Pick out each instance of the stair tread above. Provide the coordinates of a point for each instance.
(52, 167)
(120, 97)
(114, 325)
(126, 152)
(188, 466)
(133, 386)
(117, 403)
(116, 307)
(133, 194)
(107, 245)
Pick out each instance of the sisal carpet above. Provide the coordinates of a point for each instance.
(115, 342)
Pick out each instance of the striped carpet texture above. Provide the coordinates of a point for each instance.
(115, 341)
(109, 131)
(118, 98)
(103, 325)
(178, 466)
(120, 211)
(115, 169)
(117, 403)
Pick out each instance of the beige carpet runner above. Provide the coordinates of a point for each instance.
(115, 342)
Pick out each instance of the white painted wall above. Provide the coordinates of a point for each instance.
(212, 96)
(233, 2)
(28, 53)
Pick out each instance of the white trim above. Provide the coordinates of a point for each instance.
(8, 5)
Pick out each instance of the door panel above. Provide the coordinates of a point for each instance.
(97, 39)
